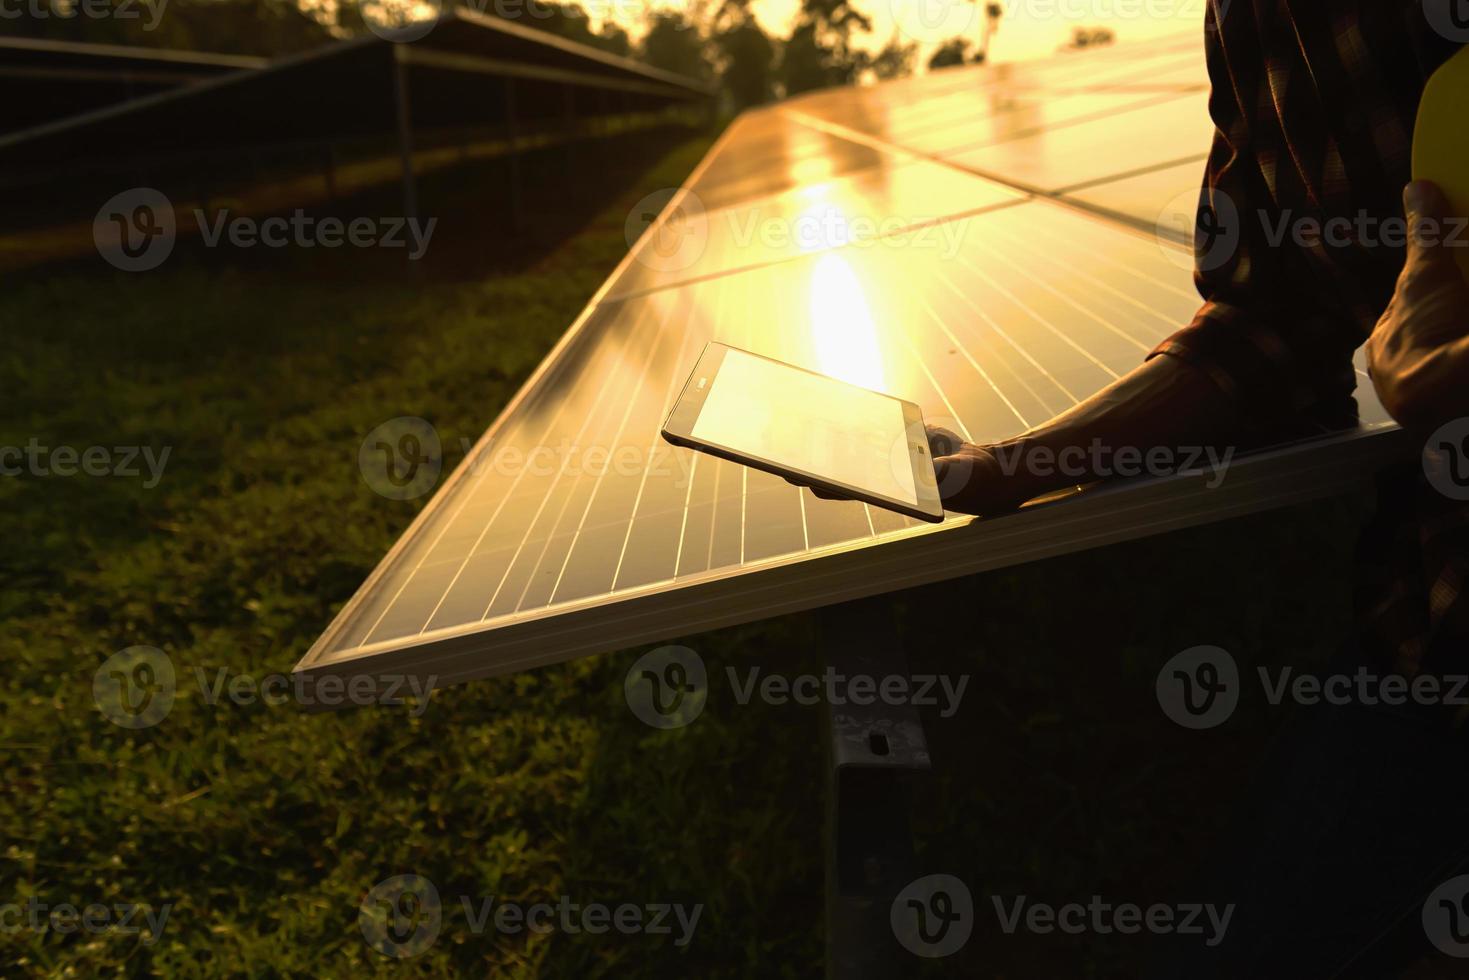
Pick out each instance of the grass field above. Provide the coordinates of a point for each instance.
(262, 828)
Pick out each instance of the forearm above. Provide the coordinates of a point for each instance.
(1165, 403)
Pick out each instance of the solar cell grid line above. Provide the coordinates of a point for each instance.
(1083, 311)
(427, 616)
(454, 515)
(1101, 286)
(492, 525)
(981, 316)
(1141, 196)
(1177, 67)
(1061, 335)
(649, 421)
(1018, 184)
(1183, 291)
(1117, 143)
(637, 405)
(980, 370)
(899, 116)
(983, 106)
(638, 378)
(1038, 116)
(651, 550)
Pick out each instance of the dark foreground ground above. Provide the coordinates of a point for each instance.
(263, 827)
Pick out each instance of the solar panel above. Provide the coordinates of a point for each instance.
(994, 297)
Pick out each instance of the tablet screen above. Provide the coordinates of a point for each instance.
(807, 422)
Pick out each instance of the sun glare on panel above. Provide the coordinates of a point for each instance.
(841, 325)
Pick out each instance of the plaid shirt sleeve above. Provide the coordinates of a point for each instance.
(1265, 334)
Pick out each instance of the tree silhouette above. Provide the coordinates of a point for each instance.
(744, 53)
(954, 51)
(819, 52)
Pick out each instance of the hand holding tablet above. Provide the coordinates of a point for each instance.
(807, 428)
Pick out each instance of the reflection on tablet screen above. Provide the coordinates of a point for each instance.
(807, 422)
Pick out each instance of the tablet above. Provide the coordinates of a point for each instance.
(808, 428)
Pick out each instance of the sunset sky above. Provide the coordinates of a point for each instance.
(1029, 29)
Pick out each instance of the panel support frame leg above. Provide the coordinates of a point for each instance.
(874, 752)
(405, 134)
